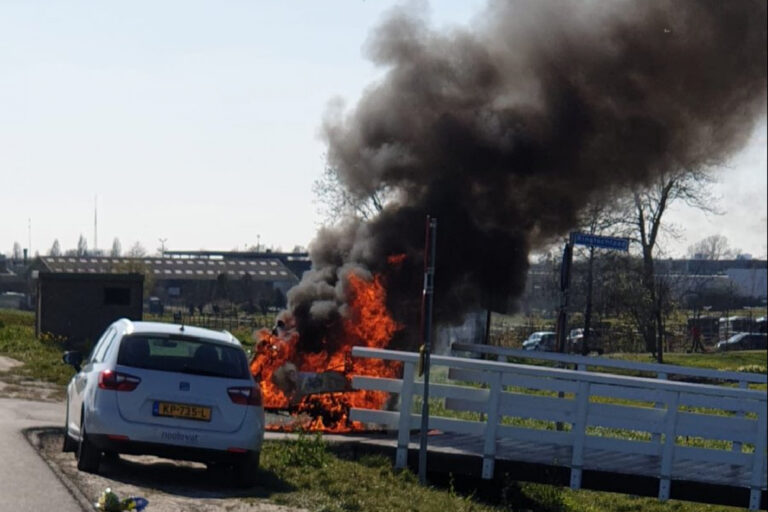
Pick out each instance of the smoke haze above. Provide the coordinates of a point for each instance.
(505, 131)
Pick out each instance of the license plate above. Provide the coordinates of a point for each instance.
(186, 411)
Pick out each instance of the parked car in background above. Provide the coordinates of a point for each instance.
(575, 341)
(744, 341)
(540, 340)
(169, 390)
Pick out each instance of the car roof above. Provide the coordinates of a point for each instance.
(139, 327)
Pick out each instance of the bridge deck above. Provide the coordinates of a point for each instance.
(594, 459)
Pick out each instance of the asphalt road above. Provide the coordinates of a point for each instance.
(26, 481)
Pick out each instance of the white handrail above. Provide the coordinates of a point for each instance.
(575, 375)
(604, 362)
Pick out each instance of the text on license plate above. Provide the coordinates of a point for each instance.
(191, 412)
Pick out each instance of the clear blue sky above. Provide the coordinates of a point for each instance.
(198, 122)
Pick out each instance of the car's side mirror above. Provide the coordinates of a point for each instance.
(73, 358)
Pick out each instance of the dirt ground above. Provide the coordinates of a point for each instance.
(169, 486)
(16, 386)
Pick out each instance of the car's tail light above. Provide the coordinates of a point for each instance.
(110, 379)
(246, 395)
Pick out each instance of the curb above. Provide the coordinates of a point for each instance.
(33, 436)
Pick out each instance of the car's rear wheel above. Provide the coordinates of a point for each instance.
(69, 444)
(88, 456)
(247, 469)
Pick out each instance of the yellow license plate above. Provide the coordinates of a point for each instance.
(190, 412)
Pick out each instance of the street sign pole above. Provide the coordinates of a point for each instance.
(565, 284)
(593, 242)
(426, 349)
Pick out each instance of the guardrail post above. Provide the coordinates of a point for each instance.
(670, 438)
(404, 424)
(492, 421)
(758, 464)
(578, 432)
(740, 414)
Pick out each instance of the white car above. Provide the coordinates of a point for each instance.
(169, 390)
(540, 340)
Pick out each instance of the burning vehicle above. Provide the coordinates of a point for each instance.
(316, 384)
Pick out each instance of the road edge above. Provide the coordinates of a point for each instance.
(33, 435)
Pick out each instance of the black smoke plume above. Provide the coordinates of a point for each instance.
(505, 131)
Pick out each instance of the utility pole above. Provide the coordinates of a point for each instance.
(162, 246)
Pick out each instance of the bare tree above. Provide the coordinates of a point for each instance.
(337, 201)
(643, 218)
(117, 248)
(82, 246)
(137, 251)
(714, 247)
(55, 249)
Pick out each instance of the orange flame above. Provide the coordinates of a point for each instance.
(368, 324)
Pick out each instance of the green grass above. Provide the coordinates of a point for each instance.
(41, 357)
(733, 360)
(307, 473)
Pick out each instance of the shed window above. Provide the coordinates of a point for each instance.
(117, 296)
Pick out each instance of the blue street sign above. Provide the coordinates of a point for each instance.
(603, 242)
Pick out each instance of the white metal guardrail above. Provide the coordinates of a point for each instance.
(598, 409)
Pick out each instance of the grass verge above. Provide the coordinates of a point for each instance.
(41, 357)
(326, 481)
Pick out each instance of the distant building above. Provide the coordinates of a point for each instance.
(740, 277)
(188, 280)
(689, 279)
(296, 262)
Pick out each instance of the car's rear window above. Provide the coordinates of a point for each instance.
(182, 354)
